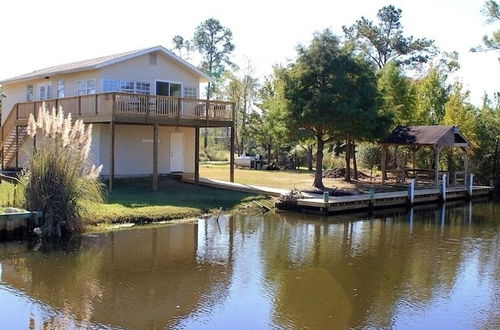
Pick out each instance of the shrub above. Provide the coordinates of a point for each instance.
(59, 178)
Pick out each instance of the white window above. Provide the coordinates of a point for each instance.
(110, 85)
(127, 86)
(60, 88)
(86, 87)
(29, 93)
(142, 88)
(191, 92)
(45, 91)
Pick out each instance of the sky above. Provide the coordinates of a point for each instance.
(38, 34)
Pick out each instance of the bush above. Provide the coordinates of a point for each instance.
(59, 178)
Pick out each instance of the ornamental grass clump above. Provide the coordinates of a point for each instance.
(60, 179)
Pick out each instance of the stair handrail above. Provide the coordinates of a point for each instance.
(8, 124)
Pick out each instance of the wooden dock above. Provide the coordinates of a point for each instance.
(314, 203)
(261, 190)
(338, 204)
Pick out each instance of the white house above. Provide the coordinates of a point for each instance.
(144, 105)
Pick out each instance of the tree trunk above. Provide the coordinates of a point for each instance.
(318, 174)
(354, 162)
(495, 161)
(269, 145)
(310, 157)
(347, 176)
(205, 139)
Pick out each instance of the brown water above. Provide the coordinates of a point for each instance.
(438, 268)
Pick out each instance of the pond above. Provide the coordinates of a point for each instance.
(428, 268)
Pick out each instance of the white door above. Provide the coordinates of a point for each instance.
(176, 152)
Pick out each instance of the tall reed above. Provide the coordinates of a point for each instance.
(59, 178)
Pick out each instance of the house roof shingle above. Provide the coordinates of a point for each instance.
(99, 62)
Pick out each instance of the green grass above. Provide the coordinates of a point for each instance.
(133, 200)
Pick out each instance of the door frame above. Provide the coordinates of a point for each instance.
(181, 170)
(44, 83)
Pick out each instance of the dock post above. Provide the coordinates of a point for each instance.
(469, 185)
(443, 189)
(411, 192)
(372, 198)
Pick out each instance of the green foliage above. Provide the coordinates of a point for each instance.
(370, 155)
(243, 90)
(398, 94)
(492, 12)
(459, 112)
(214, 42)
(182, 46)
(385, 42)
(432, 93)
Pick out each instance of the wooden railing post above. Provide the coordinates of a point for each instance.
(79, 106)
(96, 105)
(113, 106)
(207, 109)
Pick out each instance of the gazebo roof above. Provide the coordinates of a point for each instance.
(432, 135)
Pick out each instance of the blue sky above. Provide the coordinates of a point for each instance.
(38, 34)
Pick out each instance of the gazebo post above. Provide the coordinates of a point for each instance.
(437, 151)
(466, 165)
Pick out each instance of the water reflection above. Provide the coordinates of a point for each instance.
(425, 268)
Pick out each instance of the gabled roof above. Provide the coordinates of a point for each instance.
(99, 62)
(442, 135)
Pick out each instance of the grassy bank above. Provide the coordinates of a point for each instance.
(133, 201)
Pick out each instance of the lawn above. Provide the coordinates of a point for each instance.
(300, 179)
(133, 201)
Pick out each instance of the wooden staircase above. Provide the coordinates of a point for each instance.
(12, 138)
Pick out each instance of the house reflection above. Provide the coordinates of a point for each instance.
(131, 278)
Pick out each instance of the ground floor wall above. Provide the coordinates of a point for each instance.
(134, 149)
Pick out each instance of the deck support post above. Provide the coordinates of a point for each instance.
(111, 154)
(196, 155)
(17, 148)
(383, 161)
(231, 156)
(155, 157)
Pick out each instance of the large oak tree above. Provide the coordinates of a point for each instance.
(330, 94)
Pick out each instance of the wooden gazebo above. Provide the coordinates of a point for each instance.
(435, 137)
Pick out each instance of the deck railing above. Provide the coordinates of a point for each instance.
(133, 104)
(115, 105)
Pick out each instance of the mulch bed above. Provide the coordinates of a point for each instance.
(339, 172)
